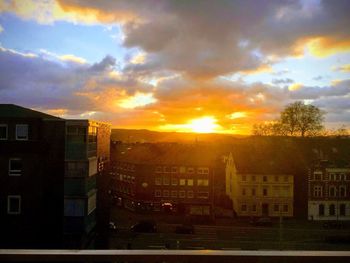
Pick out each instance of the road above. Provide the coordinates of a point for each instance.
(232, 237)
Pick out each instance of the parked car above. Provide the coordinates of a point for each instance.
(263, 221)
(144, 227)
(185, 229)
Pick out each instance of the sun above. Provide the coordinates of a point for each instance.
(203, 125)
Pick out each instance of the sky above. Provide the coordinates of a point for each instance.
(195, 66)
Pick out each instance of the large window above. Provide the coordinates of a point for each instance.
(321, 209)
(342, 210)
(15, 167)
(74, 207)
(189, 194)
(14, 204)
(317, 191)
(182, 194)
(203, 195)
(190, 182)
(3, 132)
(158, 181)
(332, 191)
(332, 210)
(265, 192)
(22, 132)
(166, 180)
(182, 182)
(76, 134)
(174, 181)
(158, 193)
(202, 182)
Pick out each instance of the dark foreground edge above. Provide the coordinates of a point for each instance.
(172, 256)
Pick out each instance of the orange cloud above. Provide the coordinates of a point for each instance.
(326, 46)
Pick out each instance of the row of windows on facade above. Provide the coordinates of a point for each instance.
(182, 169)
(126, 178)
(125, 166)
(77, 134)
(331, 210)
(265, 178)
(333, 191)
(181, 182)
(276, 208)
(180, 194)
(277, 191)
(319, 176)
(21, 132)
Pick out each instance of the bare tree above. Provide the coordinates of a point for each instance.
(301, 119)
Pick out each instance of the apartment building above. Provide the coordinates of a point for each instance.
(147, 176)
(329, 191)
(258, 193)
(48, 171)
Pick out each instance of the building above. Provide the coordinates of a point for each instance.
(258, 191)
(48, 171)
(154, 176)
(329, 191)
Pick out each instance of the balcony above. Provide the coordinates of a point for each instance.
(172, 256)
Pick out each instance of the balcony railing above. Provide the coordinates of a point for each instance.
(172, 256)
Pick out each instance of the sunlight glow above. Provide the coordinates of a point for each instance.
(205, 124)
(138, 100)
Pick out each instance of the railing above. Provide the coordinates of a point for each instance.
(172, 256)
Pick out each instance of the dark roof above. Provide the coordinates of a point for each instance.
(15, 111)
(167, 154)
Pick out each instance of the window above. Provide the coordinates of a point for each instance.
(14, 204)
(91, 203)
(348, 177)
(332, 191)
(174, 194)
(157, 193)
(182, 170)
(317, 176)
(166, 180)
(182, 182)
(15, 167)
(276, 208)
(189, 194)
(254, 208)
(3, 132)
(276, 178)
(76, 134)
(244, 178)
(166, 193)
(243, 191)
(167, 169)
(286, 178)
(253, 178)
(190, 182)
(74, 207)
(203, 170)
(317, 191)
(22, 132)
(342, 209)
(321, 209)
(202, 182)
(244, 208)
(174, 181)
(332, 210)
(264, 178)
(158, 169)
(174, 169)
(285, 208)
(158, 181)
(203, 195)
(342, 191)
(190, 170)
(253, 192)
(265, 192)
(182, 194)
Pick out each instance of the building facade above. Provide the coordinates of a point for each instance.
(48, 170)
(259, 194)
(328, 192)
(169, 176)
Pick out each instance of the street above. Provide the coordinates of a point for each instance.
(237, 236)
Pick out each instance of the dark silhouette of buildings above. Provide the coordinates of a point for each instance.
(48, 179)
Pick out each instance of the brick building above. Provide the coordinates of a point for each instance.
(150, 175)
(329, 191)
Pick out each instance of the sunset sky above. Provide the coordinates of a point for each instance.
(202, 66)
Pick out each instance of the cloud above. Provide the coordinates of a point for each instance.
(282, 81)
(343, 68)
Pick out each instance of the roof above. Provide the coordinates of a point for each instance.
(167, 154)
(15, 111)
